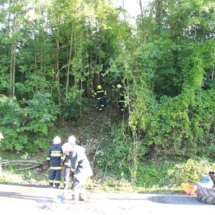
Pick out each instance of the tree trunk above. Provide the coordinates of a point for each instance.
(97, 75)
(13, 59)
(57, 77)
(212, 75)
(158, 16)
(12, 62)
(69, 62)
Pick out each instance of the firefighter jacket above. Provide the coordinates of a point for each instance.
(54, 156)
(79, 162)
(121, 95)
(99, 94)
(65, 160)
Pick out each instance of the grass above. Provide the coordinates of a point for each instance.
(35, 176)
(110, 184)
(11, 175)
(31, 177)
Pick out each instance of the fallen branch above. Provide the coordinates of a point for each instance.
(24, 164)
(31, 167)
(12, 162)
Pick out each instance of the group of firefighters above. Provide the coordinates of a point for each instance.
(72, 159)
(101, 95)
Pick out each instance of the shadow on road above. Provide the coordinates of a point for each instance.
(162, 199)
(175, 199)
(25, 197)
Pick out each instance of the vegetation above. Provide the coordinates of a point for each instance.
(53, 55)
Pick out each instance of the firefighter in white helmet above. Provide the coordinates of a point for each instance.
(53, 161)
(80, 169)
(121, 100)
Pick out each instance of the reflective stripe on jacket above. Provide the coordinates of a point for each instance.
(54, 155)
(79, 162)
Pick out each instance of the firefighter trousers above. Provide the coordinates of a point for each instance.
(54, 177)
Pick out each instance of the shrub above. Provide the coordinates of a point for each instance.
(189, 172)
(25, 125)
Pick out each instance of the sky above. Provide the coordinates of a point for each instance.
(132, 6)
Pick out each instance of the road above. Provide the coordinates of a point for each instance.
(43, 200)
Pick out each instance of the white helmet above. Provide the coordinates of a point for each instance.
(1, 136)
(57, 140)
(119, 86)
(72, 140)
(66, 147)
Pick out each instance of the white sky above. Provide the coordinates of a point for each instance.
(132, 6)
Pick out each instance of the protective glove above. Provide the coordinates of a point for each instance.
(71, 174)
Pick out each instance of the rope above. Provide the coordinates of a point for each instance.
(91, 123)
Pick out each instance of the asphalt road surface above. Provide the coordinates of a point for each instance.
(43, 200)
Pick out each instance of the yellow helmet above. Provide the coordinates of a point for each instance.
(99, 87)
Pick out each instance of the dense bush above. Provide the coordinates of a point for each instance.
(171, 174)
(25, 124)
(190, 171)
(113, 158)
(153, 173)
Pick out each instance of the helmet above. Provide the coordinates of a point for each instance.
(119, 86)
(1, 136)
(99, 87)
(66, 147)
(57, 140)
(72, 140)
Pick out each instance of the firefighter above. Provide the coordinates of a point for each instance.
(100, 94)
(53, 161)
(121, 100)
(66, 163)
(80, 170)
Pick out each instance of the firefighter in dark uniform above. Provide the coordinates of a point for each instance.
(53, 161)
(100, 94)
(121, 100)
(80, 170)
(66, 163)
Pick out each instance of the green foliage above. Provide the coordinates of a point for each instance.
(114, 184)
(166, 63)
(25, 126)
(161, 173)
(183, 125)
(152, 173)
(114, 157)
(76, 105)
(189, 172)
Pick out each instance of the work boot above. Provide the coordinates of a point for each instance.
(82, 196)
(51, 185)
(74, 198)
(65, 186)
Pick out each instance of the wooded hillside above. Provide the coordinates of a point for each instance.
(54, 53)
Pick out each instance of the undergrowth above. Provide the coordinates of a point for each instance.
(165, 177)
